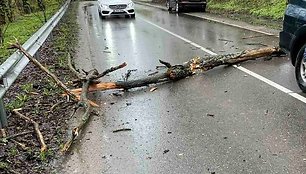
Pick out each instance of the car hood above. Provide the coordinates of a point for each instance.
(114, 2)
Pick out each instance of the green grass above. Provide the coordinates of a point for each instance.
(23, 28)
(271, 9)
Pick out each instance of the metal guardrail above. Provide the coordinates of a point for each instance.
(14, 65)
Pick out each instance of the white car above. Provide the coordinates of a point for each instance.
(116, 8)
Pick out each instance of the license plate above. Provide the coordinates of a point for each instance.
(118, 10)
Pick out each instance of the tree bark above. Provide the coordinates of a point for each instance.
(189, 68)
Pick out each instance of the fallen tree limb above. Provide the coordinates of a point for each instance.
(36, 128)
(40, 66)
(46, 70)
(84, 104)
(189, 68)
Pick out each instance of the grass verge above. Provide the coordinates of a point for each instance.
(37, 94)
(23, 28)
(273, 9)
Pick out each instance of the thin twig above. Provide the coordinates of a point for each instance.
(122, 130)
(36, 128)
(15, 135)
(23, 146)
(72, 69)
(54, 106)
(109, 71)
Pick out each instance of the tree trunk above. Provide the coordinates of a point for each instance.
(2, 12)
(26, 7)
(10, 11)
(2, 19)
(42, 7)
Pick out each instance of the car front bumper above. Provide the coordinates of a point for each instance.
(116, 12)
(285, 39)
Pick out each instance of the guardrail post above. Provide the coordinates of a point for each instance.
(3, 116)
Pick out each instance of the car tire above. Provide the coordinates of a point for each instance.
(133, 16)
(300, 68)
(103, 17)
(127, 16)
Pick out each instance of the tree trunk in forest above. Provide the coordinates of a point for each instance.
(2, 12)
(2, 20)
(26, 7)
(10, 11)
(42, 7)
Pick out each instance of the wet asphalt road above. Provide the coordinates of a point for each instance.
(223, 121)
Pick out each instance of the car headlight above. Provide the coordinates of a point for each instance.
(103, 6)
(130, 5)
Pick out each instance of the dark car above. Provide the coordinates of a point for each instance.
(180, 5)
(293, 38)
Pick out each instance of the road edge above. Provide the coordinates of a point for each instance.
(258, 29)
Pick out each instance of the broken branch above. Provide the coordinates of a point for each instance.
(36, 128)
(178, 72)
(84, 103)
(46, 70)
(40, 66)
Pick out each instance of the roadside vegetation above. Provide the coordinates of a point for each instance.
(20, 19)
(41, 100)
(262, 8)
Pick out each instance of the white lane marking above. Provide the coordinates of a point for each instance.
(212, 19)
(271, 83)
(233, 25)
(251, 73)
(180, 37)
(298, 96)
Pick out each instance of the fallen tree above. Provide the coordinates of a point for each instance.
(177, 72)
(89, 80)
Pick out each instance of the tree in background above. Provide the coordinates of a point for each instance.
(10, 11)
(42, 8)
(26, 7)
(3, 10)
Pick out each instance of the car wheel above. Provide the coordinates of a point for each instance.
(300, 68)
(127, 16)
(103, 17)
(133, 16)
